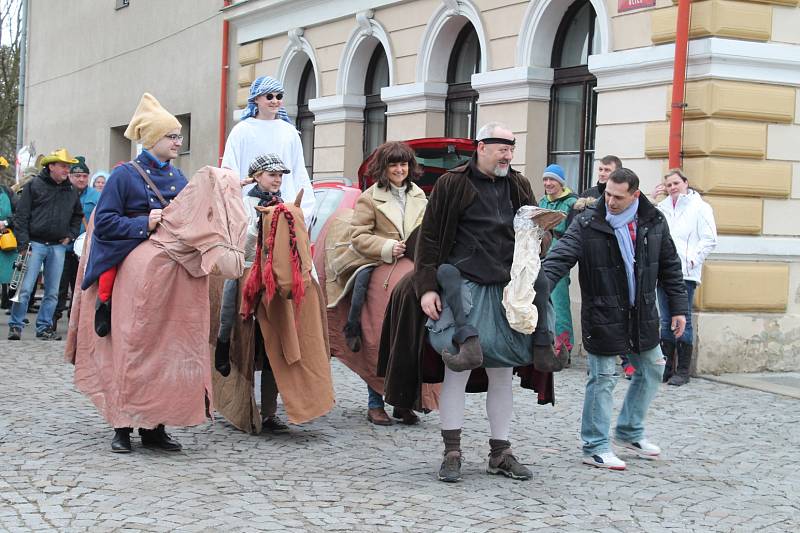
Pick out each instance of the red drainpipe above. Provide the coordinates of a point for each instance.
(223, 92)
(678, 84)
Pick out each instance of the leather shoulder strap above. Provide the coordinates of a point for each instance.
(149, 182)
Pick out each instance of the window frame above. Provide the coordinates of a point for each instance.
(462, 91)
(303, 112)
(372, 101)
(571, 76)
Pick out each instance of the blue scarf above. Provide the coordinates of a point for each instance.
(626, 245)
(264, 85)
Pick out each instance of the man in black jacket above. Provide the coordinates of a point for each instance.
(48, 217)
(624, 248)
(607, 165)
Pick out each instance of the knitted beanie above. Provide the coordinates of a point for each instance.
(150, 122)
(80, 166)
(555, 172)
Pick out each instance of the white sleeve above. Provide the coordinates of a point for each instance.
(230, 158)
(706, 232)
(301, 178)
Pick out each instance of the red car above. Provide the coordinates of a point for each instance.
(436, 155)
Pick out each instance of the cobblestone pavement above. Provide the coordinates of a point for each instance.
(731, 463)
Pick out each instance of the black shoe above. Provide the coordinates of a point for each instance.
(102, 317)
(14, 333)
(159, 438)
(274, 424)
(48, 334)
(122, 440)
(407, 416)
(222, 357)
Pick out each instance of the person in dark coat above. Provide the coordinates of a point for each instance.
(464, 252)
(623, 248)
(606, 166)
(48, 217)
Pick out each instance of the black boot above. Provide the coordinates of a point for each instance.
(122, 440)
(222, 357)
(102, 317)
(668, 349)
(684, 355)
(158, 438)
(352, 335)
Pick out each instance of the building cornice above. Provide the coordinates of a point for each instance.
(756, 248)
(713, 57)
(337, 108)
(258, 19)
(414, 98)
(513, 85)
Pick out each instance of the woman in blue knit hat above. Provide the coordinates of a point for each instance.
(559, 197)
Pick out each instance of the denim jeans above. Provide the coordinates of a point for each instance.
(599, 399)
(666, 318)
(375, 400)
(52, 257)
(227, 310)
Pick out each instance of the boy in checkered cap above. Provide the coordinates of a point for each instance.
(267, 172)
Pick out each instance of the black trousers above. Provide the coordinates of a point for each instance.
(67, 286)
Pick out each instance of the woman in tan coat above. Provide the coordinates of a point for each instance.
(384, 217)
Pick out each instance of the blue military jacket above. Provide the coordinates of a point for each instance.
(120, 219)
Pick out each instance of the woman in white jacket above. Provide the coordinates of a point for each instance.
(691, 224)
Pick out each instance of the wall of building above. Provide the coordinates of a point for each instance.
(88, 65)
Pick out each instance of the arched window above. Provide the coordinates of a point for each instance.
(573, 101)
(305, 118)
(462, 100)
(375, 110)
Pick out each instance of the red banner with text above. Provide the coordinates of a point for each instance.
(627, 5)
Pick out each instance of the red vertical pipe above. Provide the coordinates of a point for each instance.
(678, 84)
(223, 89)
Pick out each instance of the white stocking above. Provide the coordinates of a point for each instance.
(452, 397)
(499, 402)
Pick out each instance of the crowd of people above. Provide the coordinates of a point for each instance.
(470, 267)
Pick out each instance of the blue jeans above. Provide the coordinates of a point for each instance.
(52, 257)
(375, 400)
(666, 318)
(597, 404)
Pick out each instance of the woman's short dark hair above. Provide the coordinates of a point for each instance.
(393, 152)
(625, 175)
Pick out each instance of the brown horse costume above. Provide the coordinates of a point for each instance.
(285, 302)
(155, 366)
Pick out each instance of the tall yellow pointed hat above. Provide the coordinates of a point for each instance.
(150, 122)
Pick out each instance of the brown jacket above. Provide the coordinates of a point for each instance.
(405, 359)
(376, 226)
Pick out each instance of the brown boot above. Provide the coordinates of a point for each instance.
(469, 356)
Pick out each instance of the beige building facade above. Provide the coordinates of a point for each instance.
(574, 79)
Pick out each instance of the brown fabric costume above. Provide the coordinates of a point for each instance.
(405, 359)
(155, 366)
(296, 344)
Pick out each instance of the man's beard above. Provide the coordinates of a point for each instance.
(501, 171)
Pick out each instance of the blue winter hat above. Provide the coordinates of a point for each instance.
(555, 172)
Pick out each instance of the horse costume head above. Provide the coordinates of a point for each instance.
(282, 265)
(204, 227)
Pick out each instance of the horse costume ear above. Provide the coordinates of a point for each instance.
(299, 199)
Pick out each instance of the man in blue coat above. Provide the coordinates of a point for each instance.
(79, 177)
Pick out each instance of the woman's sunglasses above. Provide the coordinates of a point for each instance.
(277, 96)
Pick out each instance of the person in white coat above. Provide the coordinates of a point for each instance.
(694, 232)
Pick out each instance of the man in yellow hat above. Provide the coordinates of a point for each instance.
(48, 217)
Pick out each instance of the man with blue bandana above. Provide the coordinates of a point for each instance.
(265, 128)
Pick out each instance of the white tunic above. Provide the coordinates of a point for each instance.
(252, 137)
